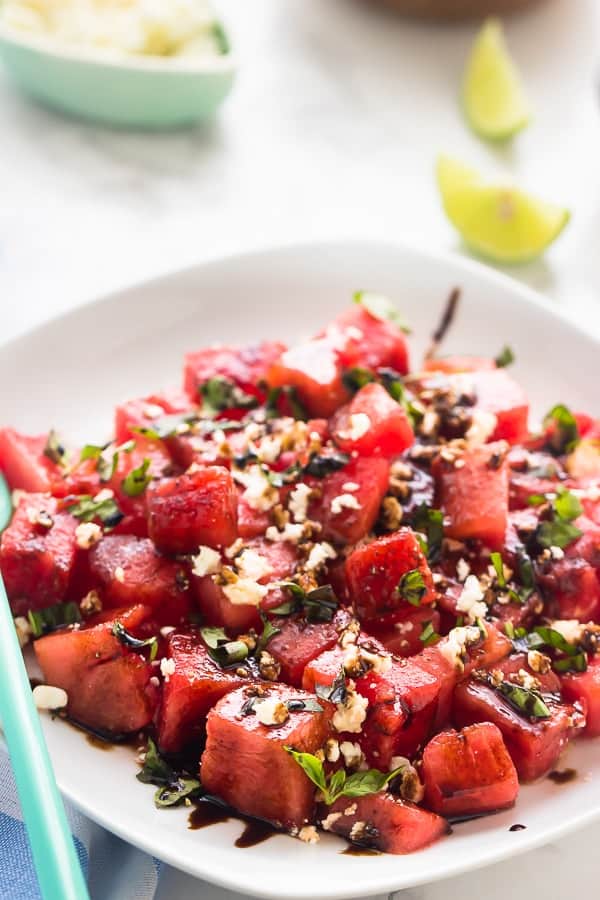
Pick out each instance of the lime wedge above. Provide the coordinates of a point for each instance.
(499, 222)
(493, 95)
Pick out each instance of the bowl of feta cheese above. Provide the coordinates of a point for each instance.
(141, 63)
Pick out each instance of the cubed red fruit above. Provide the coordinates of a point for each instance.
(400, 632)
(572, 590)
(108, 685)
(474, 495)
(194, 509)
(388, 574)
(262, 779)
(298, 642)
(584, 687)
(244, 367)
(534, 744)
(372, 423)
(126, 569)
(144, 411)
(500, 394)
(219, 609)
(452, 364)
(37, 554)
(384, 822)
(25, 465)
(312, 369)
(193, 688)
(469, 773)
(366, 341)
(348, 522)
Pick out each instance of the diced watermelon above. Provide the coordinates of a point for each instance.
(365, 341)
(571, 589)
(313, 371)
(384, 822)
(400, 632)
(372, 423)
(218, 609)
(500, 394)
(584, 688)
(474, 497)
(37, 561)
(452, 364)
(126, 570)
(469, 773)
(349, 524)
(135, 507)
(251, 522)
(244, 367)
(531, 473)
(375, 572)
(534, 744)
(108, 685)
(191, 691)
(142, 412)
(25, 465)
(587, 546)
(246, 765)
(299, 642)
(197, 508)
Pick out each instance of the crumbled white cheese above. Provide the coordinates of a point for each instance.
(557, 552)
(152, 411)
(269, 449)
(119, 574)
(357, 832)
(23, 629)
(309, 834)
(234, 548)
(483, 424)
(47, 697)
(571, 629)
(352, 753)
(526, 680)
(330, 820)
(350, 715)
(471, 601)
(91, 603)
(319, 555)
(259, 492)
(350, 810)
(290, 533)
(462, 569)
(87, 534)
(167, 668)
(206, 562)
(378, 662)
(344, 501)
(332, 750)
(404, 627)
(271, 711)
(245, 592)
(454, 646)
(358, 425)
(298, 502)
(104, 494)
(350, 486)
(252, 565)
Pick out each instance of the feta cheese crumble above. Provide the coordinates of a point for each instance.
(319, 555)
(252, 565)
(483, 424)
(259, 493)
(271, 711)
(471, 601)
(167, 668)
(358, 425)
(245, 592)
(344, 501)
(47, 697)
(206, 562)
(454, 646)
(298, 502)
(350, 715)
(87, 534)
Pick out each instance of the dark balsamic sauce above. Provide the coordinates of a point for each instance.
(255, 833)
(208, 812)
(98, 742)
(517, 827)
(356, 850)
(563, 776)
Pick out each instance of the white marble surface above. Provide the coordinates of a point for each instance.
(332, 130)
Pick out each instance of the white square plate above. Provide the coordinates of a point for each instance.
(71, 372)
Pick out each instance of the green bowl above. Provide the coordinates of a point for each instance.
(138, 91)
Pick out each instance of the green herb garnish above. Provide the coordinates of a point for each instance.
(318, 605)
(339, 784)
(219, 394)
(128, 640)
(428, 634)
(505, 358)
(269, 631)
(430, 522)
(55, 450)
(173, 787)
(565, 434)
(523, 700)
(357, 378)
(136, 481)
(43, 621)
(87, 509)
(381, 307)
(412, 587)
(323, 465)
(222, 649)
(336, 692)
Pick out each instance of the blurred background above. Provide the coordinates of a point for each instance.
(333, 126)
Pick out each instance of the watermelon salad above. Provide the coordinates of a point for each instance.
(333, 592)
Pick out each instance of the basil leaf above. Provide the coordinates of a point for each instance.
(173, 787)
(268, 632)
(556, 534)
(576, 663)
(55, 450)
(428, 634)
(412, 587)
(302, 705)
(320, 604)
(336, 692)
(220, 393)
(136, 481)
(155, 770)
(337, 782)
(526, 702)
(565, 433)
(128, 640)
(87, 509)
(168, 426)
(505, 358)
(496, 560)
(92, 451)
(381, 307)
(431, 523)
(271, 406)
(357, 378)
(552, 638)
(43, 621)
(566, 505)
(177, 792)
(312, 767)
(321, 466)
(224, 651)
(525, 571)
(360, 784)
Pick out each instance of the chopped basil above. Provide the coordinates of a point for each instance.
(167, 426)
(339, 784)
(552, 638)
(537, 499)
(576, 663)
(392, 382)
(527, 702)
(357, 378)
(92, 451)
(565, 433)
(268, 632)
(293, 704)
(556, 534)
(42, 621)
(128, 640)
(318, 605)
(566, 505)
(428, 634)
(87, 509)
(496, 559)
(173, 787)
(574, 658)
(136, 481)
(430, 522)
(505, 358)
(321, 466)
(412, 587)
(336, 692)
(220, 393)
(55, 450)
(381, 307)
(224, 651)
(291, 395)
